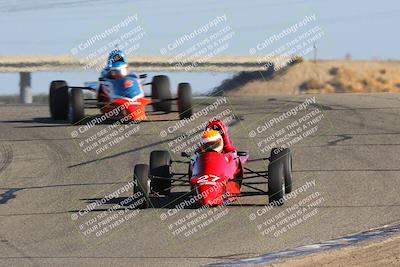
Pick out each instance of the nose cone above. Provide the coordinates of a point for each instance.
(209, 188)
(136, 112)
(211, 195)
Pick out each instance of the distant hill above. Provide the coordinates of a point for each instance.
(321, 77)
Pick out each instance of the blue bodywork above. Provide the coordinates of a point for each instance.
(125, 87)
(128, 86)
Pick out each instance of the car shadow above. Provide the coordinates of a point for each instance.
(40, 120)
(48, 122)
(158, 202)
(171, 201)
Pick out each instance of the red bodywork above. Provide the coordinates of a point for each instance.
(129, 110)
(217, 177)
(124, 108)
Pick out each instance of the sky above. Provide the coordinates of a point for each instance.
(366, 29)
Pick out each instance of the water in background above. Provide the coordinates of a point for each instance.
(202, 82)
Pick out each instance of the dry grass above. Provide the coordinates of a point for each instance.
(329, 77)
(345, 80)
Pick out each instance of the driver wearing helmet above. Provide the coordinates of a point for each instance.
(211, 140)
(117, 82)
(117, 66)
(216, 138)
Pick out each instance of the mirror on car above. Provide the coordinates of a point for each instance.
(242, 153)
(143, 76)
(184, 154)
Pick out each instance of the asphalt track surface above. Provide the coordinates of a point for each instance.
(46, 178)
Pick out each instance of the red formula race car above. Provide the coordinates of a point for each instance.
(118, 98)
(215, 178)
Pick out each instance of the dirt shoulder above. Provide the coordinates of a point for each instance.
(383, 253)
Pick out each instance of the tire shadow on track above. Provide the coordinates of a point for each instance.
(40, 120)
(167, 202)
(48, 122)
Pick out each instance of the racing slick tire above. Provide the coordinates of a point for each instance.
(141, 176)
(59, 100)
(276, 181)
(77, 109)
(161, 91)
(185, 100)
(286, 155)
(160, 163)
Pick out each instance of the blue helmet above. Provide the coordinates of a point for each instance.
(117, 64)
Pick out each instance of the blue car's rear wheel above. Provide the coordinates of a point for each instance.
(160, 92)
(185, 100)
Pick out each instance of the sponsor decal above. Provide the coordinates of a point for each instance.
(208, 180)
(128, 84)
